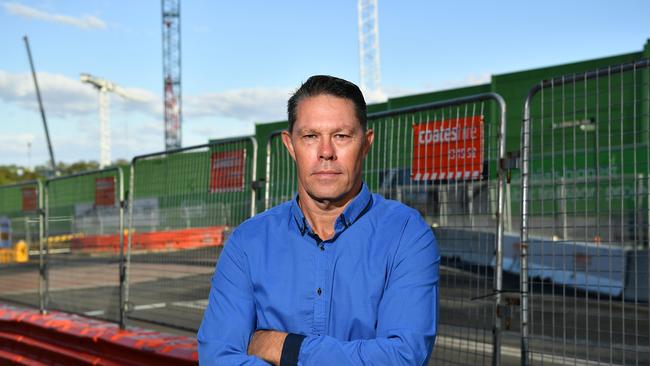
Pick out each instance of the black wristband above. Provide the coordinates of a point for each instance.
(291, 349)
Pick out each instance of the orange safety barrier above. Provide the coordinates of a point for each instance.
(29, 338)
(153, 241)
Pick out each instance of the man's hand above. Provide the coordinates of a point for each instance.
(267, 345)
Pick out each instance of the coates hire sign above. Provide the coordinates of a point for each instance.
(448, 149)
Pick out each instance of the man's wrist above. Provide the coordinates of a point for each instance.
(291, 349)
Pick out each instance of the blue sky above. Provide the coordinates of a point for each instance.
(241, 59)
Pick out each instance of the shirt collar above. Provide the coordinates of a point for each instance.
(357, 208)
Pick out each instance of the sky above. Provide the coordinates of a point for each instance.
(242, 59)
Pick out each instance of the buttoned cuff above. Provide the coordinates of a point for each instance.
(291, 349)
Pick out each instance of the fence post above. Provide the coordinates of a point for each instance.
(122, 274)
(498, 270)
(124, 306)
(253, 177)
(523, 247)
(41, 262)
(44, 255)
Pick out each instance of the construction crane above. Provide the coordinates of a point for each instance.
(171, 37)
(369, 50)
(104, 87)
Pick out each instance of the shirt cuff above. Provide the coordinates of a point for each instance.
(291, 349)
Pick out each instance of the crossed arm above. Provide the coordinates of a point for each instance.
(406, 326)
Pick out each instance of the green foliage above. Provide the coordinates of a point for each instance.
(10, 174)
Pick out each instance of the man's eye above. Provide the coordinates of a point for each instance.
(309, 137)
(341, 136)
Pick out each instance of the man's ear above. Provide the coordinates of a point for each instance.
(286, 140)
(369, 137)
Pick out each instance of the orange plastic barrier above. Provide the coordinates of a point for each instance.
(29, 338)
(153, 241)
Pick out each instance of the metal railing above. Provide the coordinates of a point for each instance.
(181, 204)
(84, 226)
(583, 256)
(21, 279)
(580, 263)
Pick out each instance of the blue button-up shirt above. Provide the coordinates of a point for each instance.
(367, 296)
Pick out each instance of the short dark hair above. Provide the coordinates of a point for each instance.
(328, 85)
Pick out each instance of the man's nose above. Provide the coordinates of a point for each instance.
(326, 149)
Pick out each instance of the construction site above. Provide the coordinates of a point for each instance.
(536, 185)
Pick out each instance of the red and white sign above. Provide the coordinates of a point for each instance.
(227, 171)
(448, 149)
(105, 191)
(30, 199)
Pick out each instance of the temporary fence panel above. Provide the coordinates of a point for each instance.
(181, 204)
(281, 178)
(443, 159)
(85, 251)
(21, 234)
(584, 253)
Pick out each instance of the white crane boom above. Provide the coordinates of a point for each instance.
(104, 87)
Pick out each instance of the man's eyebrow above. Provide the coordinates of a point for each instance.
(346, 129)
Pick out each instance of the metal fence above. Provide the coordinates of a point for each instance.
(84, 225)
(442, 159)
(182, 202)
(581, 263)
(584, 253)
(21, 243)
(281, 178)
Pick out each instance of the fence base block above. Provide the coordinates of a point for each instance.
(64, 338)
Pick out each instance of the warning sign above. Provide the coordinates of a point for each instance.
(227, 171)
(30, 199)
(105, 191)
(448, 149)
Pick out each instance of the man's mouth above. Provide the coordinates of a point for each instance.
(326, 173)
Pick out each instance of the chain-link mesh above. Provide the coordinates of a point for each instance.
(21, 233)
(181, 205)
(584, 252)
(442, 160)
(84, 226)
(281, 178)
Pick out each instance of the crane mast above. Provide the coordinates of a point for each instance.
(171, 39)
(369, 49)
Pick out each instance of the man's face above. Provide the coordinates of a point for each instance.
(328, 145)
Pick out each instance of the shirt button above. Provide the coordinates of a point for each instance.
(319, 291)
(322, 248)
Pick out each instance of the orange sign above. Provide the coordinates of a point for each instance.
(448, 149)
(105, 191)
(227, 171)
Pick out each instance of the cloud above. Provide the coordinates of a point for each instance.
(84, 22)
(469, 80)
(64, 97)
(254, 104)
(15, 143)
(393, 91)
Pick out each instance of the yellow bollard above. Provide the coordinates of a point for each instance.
(6, 255)
(22, 252)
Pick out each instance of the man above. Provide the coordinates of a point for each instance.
(336, 276)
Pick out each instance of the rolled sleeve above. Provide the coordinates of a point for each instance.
(229, 320)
